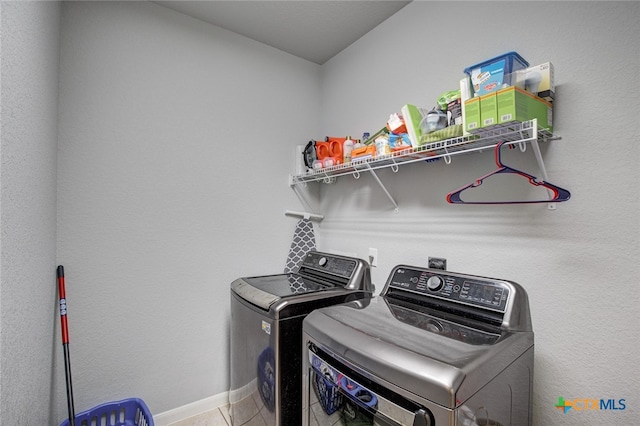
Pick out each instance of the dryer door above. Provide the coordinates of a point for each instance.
(335, 397)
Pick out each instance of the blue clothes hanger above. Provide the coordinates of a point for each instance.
(559, 194)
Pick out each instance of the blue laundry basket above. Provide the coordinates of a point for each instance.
(267, 379)
(128, 412)
(328, 393)
(326, 384)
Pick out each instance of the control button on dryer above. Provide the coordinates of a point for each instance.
(435, 283)
(322, 261)
(434, 326)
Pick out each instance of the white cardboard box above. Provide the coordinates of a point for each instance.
(537, 80)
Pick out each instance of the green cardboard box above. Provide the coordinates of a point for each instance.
(471, 115)
(516, 105)
(489, 110)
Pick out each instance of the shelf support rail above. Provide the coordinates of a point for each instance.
(303, 199)
(375, 176)
(543, 169)
(304, 215)
(533, 136)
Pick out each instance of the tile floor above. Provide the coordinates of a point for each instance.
(217, 417)
(248, 412)
(251, 411)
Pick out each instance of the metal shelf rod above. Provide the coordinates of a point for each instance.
(304, 215)
(373, 173)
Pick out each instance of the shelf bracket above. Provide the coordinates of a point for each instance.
(375, 176)
(303, 200)
(543, 169)
(304, 215)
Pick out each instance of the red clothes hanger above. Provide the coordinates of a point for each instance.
(559, 194)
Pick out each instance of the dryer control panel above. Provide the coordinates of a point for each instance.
(337, 271)
(334, 265)
(465, 289)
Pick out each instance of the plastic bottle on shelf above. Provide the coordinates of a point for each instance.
(365, 137)
(347, 148)
(382, 147)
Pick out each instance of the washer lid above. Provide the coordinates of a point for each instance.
(424, 353)
(265, 290)
(286, 284)
(319, 272)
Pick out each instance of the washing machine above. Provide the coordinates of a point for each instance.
(266, 333)
(435, 348)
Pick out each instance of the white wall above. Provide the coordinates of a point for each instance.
(579, 263)
(176, 139)
(28, 210)
(155, 220)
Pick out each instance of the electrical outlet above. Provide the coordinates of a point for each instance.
(373, 257)
(438, 263)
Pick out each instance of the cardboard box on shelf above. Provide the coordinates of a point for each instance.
(471, 115)
(412, 117)
(538, 80)
(396, 124)
(488, 110)
(454, 112)
(362, 153)
(516, 105)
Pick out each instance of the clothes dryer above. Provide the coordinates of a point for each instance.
(436, 348)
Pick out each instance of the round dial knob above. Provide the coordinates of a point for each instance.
(434, 326)
(435, 283)
(322, 261)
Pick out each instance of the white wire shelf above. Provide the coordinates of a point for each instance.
(515, 133)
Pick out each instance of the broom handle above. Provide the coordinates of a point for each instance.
(65, 344)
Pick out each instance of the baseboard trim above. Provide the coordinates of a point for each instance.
(238, 395)
(191, 409)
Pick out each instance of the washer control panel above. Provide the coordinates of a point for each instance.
(469, 290)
